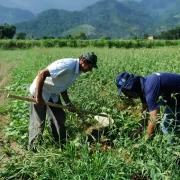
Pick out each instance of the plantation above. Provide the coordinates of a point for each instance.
(112, 154)
(47, 43)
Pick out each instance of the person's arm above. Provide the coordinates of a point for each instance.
(39, 85)
(67, 100)
(143, 123)
(152, 123)
(65, 97)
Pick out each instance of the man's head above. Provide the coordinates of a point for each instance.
(125, 83)
(88, 61)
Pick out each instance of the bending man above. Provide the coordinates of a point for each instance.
(47, 86)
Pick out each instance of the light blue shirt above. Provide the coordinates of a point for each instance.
(63, 73)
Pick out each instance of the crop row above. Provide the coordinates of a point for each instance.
(24, 44)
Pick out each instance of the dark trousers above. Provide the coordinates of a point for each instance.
(171, 122)
(56, 117)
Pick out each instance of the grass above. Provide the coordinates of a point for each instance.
(96, 91)
(4, 69)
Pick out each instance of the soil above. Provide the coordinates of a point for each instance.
(7, 147)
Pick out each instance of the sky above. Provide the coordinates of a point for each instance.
(37, 6)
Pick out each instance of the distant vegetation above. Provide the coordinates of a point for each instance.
(171, 34)
(49, 43)
(7, 32)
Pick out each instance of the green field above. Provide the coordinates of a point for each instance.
(95, 91)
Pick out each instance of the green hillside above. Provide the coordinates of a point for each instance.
(51, 22)
(115, 19)
(87, 29)
(12, 15)
(109, 18)
(166, 13)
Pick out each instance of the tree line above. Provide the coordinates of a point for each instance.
(9, 32)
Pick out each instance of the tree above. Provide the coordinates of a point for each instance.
(68, 37)
(105, 38)
(170, 34)
(48, 37)
(146, 36)
(7, 31)
(21, 35)
(80, 35)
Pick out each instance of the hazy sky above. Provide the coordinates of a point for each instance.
(37, 6)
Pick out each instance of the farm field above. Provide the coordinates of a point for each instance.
(112, 154)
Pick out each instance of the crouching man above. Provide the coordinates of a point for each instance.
(154, 91)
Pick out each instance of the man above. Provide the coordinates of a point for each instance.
(47, 86)
(154, 90)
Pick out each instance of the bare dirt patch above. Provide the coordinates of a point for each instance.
(7, 147)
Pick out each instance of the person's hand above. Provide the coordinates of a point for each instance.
(40, 101)
(72, 107)
(148, 137)
(135, 133)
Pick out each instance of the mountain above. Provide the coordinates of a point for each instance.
(117, 19)
(166, 13)
(51, 22)
(87, 29)
(171, 16)
(157, 4)
(12, 15)
(104, 18)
